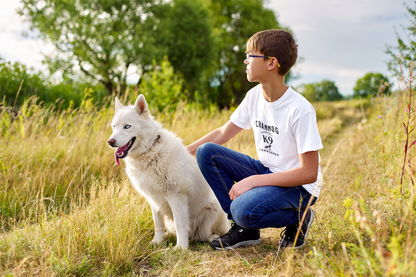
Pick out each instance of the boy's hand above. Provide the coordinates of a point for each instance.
(306, 173)
(242, 186)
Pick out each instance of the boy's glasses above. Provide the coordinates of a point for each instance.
(248, 57)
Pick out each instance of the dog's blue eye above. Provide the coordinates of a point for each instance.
(127, 126)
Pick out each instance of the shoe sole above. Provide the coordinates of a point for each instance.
(306, 234)
(243, 243)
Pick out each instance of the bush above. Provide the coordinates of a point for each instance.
(323, 91)
(371, 84)
(16, 75)
(162, 87)
(18, 83)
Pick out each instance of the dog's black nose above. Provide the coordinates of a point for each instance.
(111, 142)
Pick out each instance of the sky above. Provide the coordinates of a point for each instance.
(339, 40)
(342, 40)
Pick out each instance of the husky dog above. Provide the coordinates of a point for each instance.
(167, 175)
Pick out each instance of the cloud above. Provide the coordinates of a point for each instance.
(385, 19)
(341, 41)
(15, 47)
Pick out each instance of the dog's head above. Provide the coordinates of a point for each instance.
(134, 129)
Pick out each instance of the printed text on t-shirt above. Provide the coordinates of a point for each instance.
(269, 128)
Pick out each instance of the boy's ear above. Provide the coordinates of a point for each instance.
(141, 106)
(117, 105)
(273, 63)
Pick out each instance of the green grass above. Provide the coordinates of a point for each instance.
(68, 210)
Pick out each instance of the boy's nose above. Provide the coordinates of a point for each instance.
(246, 61)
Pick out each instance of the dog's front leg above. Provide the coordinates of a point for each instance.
(159, 225)
(180, 211)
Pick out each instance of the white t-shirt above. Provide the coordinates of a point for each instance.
(283, 129)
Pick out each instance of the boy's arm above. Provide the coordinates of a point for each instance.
(306, 173)
(218, 136)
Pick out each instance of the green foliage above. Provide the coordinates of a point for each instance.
(187, 34)
(372, 84)
(323, 91)
(16, 75)
(33, 83)
(106, 39)
(163, 87)
(235, 21)
(204, 40)
(406, 48)
(102, 38)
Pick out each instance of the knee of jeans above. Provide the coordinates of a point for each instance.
(202, 153)
(204, 150)
(241, 216)
(244, 216)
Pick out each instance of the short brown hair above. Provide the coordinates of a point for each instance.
(275, 43)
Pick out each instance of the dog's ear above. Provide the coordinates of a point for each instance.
(118, 104)
(141, 105)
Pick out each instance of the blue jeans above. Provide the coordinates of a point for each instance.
(261, 207)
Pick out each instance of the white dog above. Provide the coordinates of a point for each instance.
(167, 175)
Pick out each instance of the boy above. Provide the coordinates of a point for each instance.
(273, 191)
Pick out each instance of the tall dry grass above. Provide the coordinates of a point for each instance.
(67, 210)
(48, 156)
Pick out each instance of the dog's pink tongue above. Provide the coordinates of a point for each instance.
(115, 155)
(119, 152)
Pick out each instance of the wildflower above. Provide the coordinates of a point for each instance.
(359, 216)
(377, 216)
(379, 117)
(348, 202)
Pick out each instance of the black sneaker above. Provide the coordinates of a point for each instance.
(289, 233)
(236, 237)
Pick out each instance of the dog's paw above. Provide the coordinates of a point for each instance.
(158, 237)
(212, 237)
(156, 241)
(182, 246)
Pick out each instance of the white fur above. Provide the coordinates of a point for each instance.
(167, 175)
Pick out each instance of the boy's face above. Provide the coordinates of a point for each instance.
(256, 67)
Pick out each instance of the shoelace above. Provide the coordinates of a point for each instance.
(233, 229)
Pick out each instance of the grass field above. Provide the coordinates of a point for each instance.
(66, 209)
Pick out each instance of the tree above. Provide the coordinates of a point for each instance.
(102, 38)
(371, 84)
(407, 50)
(235, 21)
(204, 40)
(323, 91)
(187, 34)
